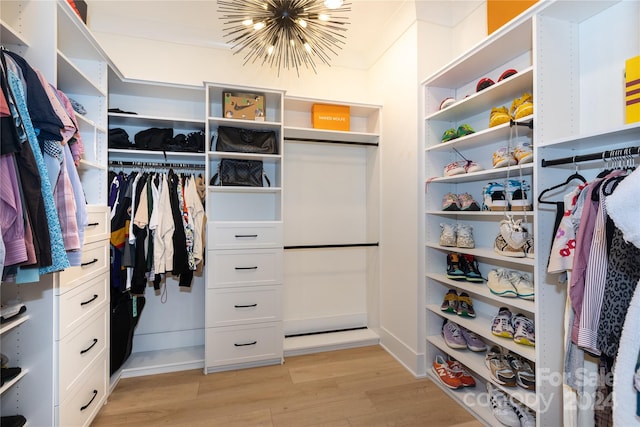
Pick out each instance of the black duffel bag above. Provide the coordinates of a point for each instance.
(154, 139)
(242, 140)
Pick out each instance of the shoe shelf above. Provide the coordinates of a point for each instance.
(7, 385)
(477, 102)
(481, 291)
(485, 253)
(475, 399)
(474, 362)
(481, 325)
(486, 175)
(481, 137)
(516, 214)
(10, 324)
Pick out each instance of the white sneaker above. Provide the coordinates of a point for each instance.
(465, 236)
(499, 283)
(522, 284)
(448, 235)
(501, 408)
(526, 415)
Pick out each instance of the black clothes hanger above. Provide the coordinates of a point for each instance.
(570, 178)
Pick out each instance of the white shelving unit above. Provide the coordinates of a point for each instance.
(510, 47)
(243, 323)
(162, 342)
(552, 48)
(45, 341)
(331, 231)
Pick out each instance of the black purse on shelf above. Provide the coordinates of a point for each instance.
(240, 173)
(242, 140)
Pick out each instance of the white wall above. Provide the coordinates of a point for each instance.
(395, 78)
(148, 59)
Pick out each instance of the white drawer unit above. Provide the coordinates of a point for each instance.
(79, 350)
(244, 268)
(236, 345)
(235, 306)
(87, 397)
(95, 260)
(75, 306)
(98, 223)
(239, 235)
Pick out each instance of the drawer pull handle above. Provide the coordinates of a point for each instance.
(95, 393)
(246, 344)
(84, 264)
(95, 341)
(246, 236)
(245, 306)
(247, 268)
(90, 300)
(93, 224)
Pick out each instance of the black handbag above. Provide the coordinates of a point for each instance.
(241, 173)
(242, 140)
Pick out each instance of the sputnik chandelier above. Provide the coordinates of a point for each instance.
(285, 33)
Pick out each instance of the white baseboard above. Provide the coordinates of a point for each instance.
(163, 361)
(316, 343)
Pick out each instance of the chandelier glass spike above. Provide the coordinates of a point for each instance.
(285, 33)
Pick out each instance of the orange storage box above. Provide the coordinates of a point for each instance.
(331, 117)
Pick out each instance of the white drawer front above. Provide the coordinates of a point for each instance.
(87, 398)
(75, 306)
(95, 260)
(77, 351)
(243, 344)
(233, 235)
(234, 306)
(244, 268)
(98, 223)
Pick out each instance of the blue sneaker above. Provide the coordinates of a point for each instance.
(494, 197)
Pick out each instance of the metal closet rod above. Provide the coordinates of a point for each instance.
(619, 154)
(330, 141)
(156, 165)
(338, 245)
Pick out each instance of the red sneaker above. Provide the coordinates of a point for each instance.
(444, 373)
(460, 372)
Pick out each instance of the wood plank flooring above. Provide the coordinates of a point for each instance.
(356, 387)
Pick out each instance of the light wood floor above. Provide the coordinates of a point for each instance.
(355, 387)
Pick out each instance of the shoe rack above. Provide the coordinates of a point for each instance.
(547, 36)
(510, 48)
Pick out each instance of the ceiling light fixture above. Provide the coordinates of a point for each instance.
(285, 33)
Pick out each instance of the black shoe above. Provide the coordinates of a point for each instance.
(13, 421)
(470, 268)
(454, 267)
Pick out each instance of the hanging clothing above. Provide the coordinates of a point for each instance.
(59, 257)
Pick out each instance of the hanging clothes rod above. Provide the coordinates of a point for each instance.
(619, 154)
(339, 245)
(117, 163)
(330, 141)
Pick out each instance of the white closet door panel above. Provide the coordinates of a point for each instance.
(325, 289)
(325, 201)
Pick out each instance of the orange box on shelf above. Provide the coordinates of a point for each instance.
(632, 89)
(331, 117)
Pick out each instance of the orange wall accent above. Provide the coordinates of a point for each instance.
(499, 12)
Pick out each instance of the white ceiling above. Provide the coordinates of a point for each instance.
(373, 24)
